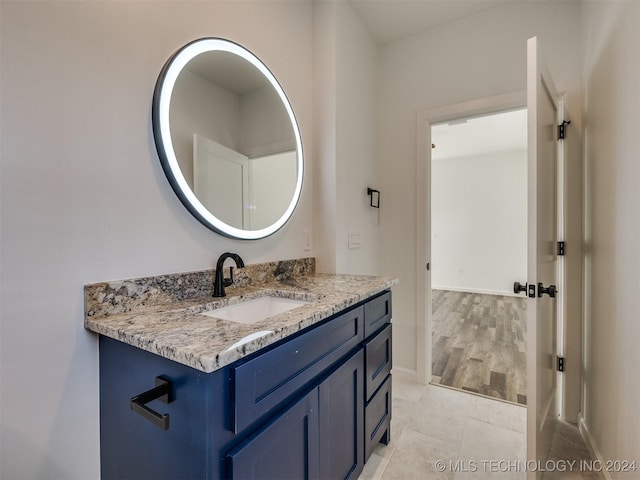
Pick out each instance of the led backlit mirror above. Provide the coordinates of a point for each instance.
(228, 139)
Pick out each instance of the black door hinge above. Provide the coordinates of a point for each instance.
(562, 130)
(561, 248)
(561, 364)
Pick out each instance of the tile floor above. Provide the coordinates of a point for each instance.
(442, 433)
(568, 445)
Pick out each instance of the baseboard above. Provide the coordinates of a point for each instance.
(405, 374)
(592, 446)
(504, 293)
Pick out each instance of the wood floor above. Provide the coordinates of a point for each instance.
(479, 344)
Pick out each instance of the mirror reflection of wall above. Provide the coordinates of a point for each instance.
(223, 98)
(193, 101)
(265, 127)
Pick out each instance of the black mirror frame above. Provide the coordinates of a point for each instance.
(164, 146)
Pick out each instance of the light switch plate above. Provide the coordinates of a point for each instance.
(307, 241)
(355, 240)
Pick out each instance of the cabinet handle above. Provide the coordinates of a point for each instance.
(162, 392)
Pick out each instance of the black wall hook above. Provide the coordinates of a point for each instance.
(371, 192)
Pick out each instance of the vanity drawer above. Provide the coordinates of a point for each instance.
(377, 354)
(262, 383)
(377, 312)
(377, 419)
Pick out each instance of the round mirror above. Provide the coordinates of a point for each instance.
(228, 139)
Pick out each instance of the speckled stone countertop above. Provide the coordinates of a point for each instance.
(163, 314)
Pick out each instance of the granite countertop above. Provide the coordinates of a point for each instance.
(163, 315)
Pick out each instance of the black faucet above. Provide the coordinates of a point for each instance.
(220, 281)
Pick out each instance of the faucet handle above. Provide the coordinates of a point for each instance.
(220, 282)
(229, 281)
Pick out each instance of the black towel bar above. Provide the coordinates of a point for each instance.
(162, 392)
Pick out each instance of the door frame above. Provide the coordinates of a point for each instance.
(425, 119)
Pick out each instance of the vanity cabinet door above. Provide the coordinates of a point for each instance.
(286, 448)
(342, 421)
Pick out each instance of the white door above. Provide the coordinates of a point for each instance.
(543, 116)
(220, 180)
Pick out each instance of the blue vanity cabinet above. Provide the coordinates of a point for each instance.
(342, 421)
(303, 408)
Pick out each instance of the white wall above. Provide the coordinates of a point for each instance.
(476, 57)
(254, 124)
(357, 153)
(324, 133)
(345, 86)
(479, 222)
(611, 47)
(84, 199)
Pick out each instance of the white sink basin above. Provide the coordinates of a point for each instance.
(255, 310)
